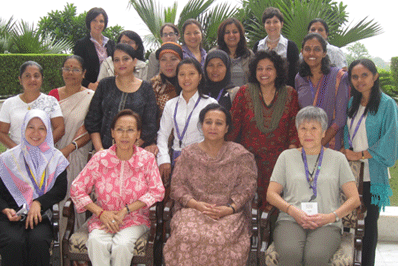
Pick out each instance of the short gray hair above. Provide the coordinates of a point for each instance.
(312, 113)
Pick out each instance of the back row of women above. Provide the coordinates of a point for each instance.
(263, 121)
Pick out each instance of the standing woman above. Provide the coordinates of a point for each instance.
(114, 94)
(193, 34)
(273, 23)
(231, 39)
(95, 47)
(218, 78)
(321, 85)
(263, 115)
(74, 100)
(134, 40)
(168, 33)
(371, 135)
(165, 83)
(181, 114)
(15, 108)
(32, 175)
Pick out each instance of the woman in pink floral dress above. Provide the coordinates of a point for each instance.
(213, 184)
(127, 182)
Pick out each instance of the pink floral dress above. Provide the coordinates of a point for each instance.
(117, 183)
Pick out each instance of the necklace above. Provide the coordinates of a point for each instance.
(273, 41)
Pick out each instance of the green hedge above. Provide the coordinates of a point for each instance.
(51, 63)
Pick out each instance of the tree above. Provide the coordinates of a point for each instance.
(298, 14)
(5, 30)
(356, 51)
(60, 23)
(154, 16)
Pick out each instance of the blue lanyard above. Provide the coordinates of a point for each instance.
(219, 95)
(181, 136)
(312, 181)
(356, 129)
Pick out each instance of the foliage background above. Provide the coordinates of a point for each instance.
(9, 83)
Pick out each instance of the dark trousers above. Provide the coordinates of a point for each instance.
(21, 247)
(371, 233)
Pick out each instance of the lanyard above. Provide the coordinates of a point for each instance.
(313, 180)
(39, 188)
(356, 129)
(219, 94)
(181, 136)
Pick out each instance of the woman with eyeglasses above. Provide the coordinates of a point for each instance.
(14, 108)
(74, 100)
(134, 40)
(305, 186)
(168, 33)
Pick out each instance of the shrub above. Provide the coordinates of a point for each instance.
(51, 63)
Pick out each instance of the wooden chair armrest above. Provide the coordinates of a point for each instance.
(168, 206)
(68, 212)
(55, 221)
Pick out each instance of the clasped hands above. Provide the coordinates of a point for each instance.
(112, 219)
(311, 221)
(213, 211)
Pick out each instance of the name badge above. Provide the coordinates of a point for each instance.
(310, 208)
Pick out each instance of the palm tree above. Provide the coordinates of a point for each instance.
(154, 16)
(297, 15)
(25, 39)
(5, 29)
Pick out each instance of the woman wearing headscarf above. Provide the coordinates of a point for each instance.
(218, 78)
(32, 179)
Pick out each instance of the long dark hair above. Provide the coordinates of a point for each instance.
(304, 69)
(241, 50)
(375, 93)
(198, 67)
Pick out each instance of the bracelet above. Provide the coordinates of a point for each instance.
(233, 209)
(287, 209)
(74, 143)
(363, 156)
(127, 207)
(99, 216)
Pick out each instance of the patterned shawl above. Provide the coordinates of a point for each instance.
(21, 165)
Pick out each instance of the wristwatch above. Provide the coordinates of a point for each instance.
(337, 217)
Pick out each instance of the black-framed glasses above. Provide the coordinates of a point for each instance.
(170, 34)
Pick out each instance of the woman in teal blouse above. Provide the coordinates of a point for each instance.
(371, 135)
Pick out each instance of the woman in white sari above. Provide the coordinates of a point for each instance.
(74, 100)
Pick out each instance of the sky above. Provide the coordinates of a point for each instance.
(382, 11)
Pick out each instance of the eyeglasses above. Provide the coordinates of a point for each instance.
(171, 34)
(74, 70)
(131, 43)
(122, 130)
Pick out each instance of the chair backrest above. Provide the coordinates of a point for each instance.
(351, 219)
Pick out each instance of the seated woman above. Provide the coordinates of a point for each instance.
(126, 182)
(32, 176)
(218, 78)
(180, 115)
(15, 108)
(324, 86)
(231, 39)
(134, 40)
(210, 225)
(310, 179)
(114, 94)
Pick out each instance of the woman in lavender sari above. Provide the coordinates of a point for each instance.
(323, 86)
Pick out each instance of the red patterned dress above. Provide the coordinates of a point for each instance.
(265, 147)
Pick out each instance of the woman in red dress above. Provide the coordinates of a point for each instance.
(263, 115)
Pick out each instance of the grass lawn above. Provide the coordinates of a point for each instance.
(393, 180)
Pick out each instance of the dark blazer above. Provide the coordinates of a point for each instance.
(86, 49)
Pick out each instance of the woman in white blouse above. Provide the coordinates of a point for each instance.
(181, 114)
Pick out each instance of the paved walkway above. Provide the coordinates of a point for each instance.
(387, 254)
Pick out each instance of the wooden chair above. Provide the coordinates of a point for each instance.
(350, 250)
(55, 250)
(255, 238)
(74, 243)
